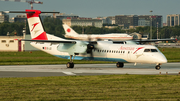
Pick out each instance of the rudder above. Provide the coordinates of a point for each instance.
(68, 30)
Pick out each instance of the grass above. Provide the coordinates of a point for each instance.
(172, 54)
(40, 57)
(104, 87)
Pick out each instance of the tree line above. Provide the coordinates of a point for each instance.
(54, 26)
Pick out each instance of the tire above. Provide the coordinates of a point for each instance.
(158, 67)
(119, 65)
(70, 65)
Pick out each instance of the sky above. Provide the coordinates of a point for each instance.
(103, 8)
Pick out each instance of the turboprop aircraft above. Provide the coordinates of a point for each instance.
(70, 33)
(120, 52)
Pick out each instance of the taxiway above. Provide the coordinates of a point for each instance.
(87, 69)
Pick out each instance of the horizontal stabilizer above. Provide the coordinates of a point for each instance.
(50, 41)
(155, 40)
(26, 12)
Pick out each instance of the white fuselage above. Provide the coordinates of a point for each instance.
(107, 51)
(94, 37)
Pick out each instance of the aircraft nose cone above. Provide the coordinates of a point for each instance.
(162, 59)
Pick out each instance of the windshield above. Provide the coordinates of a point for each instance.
(150, 50)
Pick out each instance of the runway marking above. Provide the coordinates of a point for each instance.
(69, 73)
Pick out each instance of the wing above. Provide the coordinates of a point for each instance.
(51, 41)
(155, 40)
(70, 46)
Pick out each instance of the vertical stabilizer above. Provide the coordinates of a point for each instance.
(35, 25)
(69, 31)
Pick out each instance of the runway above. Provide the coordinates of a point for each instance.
(86, 69)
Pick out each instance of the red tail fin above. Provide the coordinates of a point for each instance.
(35, 25)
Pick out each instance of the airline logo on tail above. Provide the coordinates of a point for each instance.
(34, 25)
(68, 30)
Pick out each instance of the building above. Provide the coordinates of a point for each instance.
(83, 22)
(7, 43)
(20, 18)
(23, 18)
(107, 20)
(173, 20)
(62, 16)
(148, 20)
(157, 20)
(4, 17)
(132, 21)
(144, 20)
(111, 20)
(126, 20)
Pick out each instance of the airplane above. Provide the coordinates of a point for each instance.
(120, 52)
(70, 33)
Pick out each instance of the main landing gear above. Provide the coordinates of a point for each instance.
(120, 65)
(70, 64)
(158, 67)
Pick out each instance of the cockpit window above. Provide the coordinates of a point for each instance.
(150, 50)
(147, 50)
(154, 50)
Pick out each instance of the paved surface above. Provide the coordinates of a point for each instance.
(86, 69)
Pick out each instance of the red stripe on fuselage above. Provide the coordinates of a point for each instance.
(138, 49)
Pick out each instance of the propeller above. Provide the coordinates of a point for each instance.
(90, 47)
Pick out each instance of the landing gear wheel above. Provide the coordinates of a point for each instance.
(158, 67)
(120, 65)
(70, 65)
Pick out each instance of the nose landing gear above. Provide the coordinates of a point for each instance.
(158, 67)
